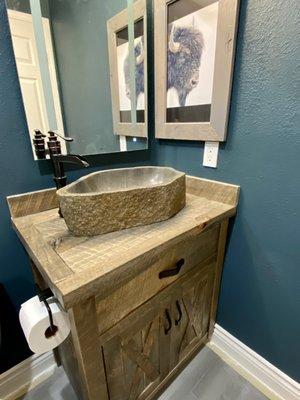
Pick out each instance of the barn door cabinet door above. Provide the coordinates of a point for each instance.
(190, 312)
(143, 349)
(132, 353)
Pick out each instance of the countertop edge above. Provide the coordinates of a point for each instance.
(70, 290)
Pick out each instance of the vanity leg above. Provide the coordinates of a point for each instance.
(38, 279)
(218, 275)
(85, 337)
(56, 356)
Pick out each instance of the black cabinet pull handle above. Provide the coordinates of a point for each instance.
(172, 272)
(177, 321)
(167, 330)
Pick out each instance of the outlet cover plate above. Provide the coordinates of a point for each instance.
(210, 156)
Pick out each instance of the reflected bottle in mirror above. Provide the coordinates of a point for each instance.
(39, 144)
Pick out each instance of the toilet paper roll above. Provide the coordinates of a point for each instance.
(34, 320)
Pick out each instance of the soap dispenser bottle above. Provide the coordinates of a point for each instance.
(53, 143)
(39, 144)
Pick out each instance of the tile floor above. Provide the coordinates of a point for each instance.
(207, 377)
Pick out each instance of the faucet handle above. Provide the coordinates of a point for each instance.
(66, 139)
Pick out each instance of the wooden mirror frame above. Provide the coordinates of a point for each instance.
(115, 25)
(216, 129)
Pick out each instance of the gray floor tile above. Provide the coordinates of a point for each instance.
(207, 377)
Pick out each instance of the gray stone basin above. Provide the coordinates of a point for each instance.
(116, 199)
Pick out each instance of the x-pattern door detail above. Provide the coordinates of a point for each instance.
(132, 360)
(148, 344)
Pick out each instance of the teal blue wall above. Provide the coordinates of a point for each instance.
(19, 173)
(260, 296)
(259, 301)
(80, 39)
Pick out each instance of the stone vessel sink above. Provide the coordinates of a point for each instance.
(112, 200)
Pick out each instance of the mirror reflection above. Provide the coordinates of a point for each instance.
(128, 62)
(125, 95)
(66, 76)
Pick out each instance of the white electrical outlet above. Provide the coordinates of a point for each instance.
(210, 156)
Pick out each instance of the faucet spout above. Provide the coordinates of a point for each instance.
(71, 159)
(58, 161)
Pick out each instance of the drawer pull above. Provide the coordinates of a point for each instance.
(172, 272)
(167, 330)
(177, 321)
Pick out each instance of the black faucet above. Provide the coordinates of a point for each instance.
(58, 159)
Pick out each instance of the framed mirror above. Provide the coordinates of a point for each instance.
(194, 58)
(129, 87)
(62, 55)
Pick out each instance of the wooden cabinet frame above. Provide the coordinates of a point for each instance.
(93, 361)
(125, 292)
(145, 348)
(216, 129)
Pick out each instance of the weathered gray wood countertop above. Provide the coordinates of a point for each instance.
(77, 268)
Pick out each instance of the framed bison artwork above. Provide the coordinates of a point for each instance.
(194, 57)
(128, 70)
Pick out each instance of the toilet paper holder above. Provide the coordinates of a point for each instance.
(43, 295)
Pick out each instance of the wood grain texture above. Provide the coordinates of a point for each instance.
(78, 268)
(195, 252)
(224, 64)
(87, 351)
(30, 203)
(110, 285)
(216, 129)
(213, 190)
(38, 278)
(68, 358)
(47, 261)
(218, 275)
(190, 335)
(131, 357)
(125, 340)
(176, 371)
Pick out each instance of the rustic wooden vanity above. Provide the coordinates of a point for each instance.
(142, 301)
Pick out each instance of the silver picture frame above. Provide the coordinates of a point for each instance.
(216, 128)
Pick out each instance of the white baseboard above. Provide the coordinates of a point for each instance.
(268, 379)
(26, 375)
(274, 383)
